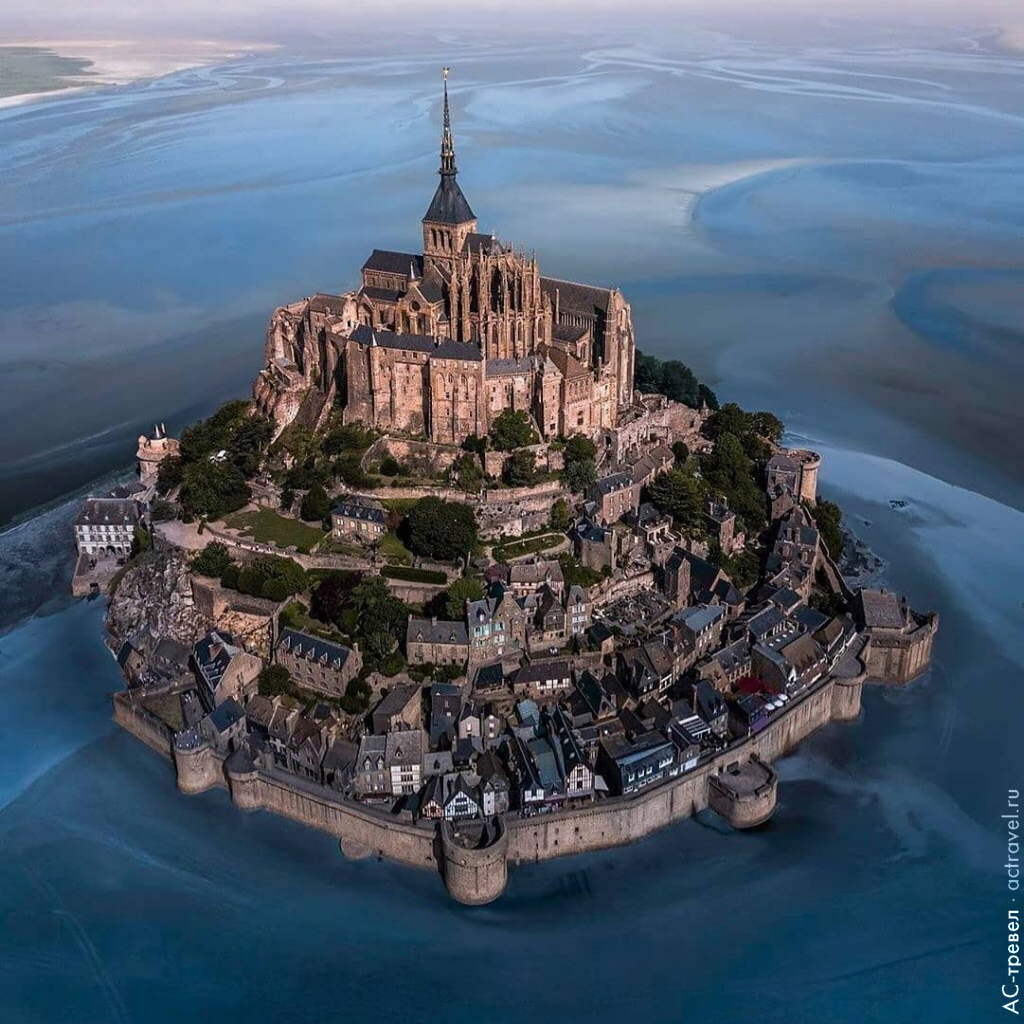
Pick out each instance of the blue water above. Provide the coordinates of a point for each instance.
(834, 234)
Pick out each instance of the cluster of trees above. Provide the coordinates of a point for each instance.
(520, 469)
(733, 470)
(671, 378)
(828, 517)
(316, 460)
(580, 470)
(364, 609)
(512, 430)
(217, 456)
(467, 473)
(445, 530)
(268, 576)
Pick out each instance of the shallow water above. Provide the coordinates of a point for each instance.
(806, 230)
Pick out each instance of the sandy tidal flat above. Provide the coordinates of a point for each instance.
(39, 69)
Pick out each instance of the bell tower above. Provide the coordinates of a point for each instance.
(449, 218)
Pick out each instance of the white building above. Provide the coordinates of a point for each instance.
(106, 526)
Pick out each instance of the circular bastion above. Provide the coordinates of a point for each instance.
(474, 860)
(197, 768)
(744, 793)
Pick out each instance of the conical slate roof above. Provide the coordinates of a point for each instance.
(449, 205)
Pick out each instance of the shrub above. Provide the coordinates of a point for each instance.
(213, 560)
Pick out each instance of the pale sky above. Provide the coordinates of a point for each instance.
(263, 18)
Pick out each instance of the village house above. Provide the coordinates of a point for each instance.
(529, 576)
(322, 666)
(496, 626)
(629, 766)
(614, 496)
(224, 670)
(403, 758)
(358, 518)
(372, 778)
(105, 527)
(436, 642)
(400, 708)
(542, 677)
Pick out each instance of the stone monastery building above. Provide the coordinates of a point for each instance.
(437, 344)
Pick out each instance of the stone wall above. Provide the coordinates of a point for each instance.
(479, 875)
(142, 725)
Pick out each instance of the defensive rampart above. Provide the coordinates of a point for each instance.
(476, 873)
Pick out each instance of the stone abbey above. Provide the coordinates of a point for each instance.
(436, 345)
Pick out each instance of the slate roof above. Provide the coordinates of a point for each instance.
(580, 298)
(313, 648)
(613, 482)
(392, 339)
(387, 261)
(382, 294)
(457, 350)
(108, 512)
(699, 618)
(441, 631)
(359, 508)
(880, 609)
(504, 367)
(226, 715)
(322, 303)
(449, 205)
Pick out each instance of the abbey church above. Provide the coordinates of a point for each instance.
(437, 344)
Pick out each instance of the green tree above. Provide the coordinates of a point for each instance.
(170, 474)
(477, 445)
(521, 469)
(213, 560)
(390, 466)
(349, 470)
(730, 472)
(273, 680)
(561, 515)
(705, 396)
(376, 609)
(467, 473)
(828, 517)
(681, 495)
(579, 476)
(440, 529)
(272, 577)
(767, 425)
(467, 588)
(511, 430)
(212, 488)
(331, 596)
(580, 470)
(316, 506)
(348, 438)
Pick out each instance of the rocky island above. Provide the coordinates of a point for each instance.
(471, 582)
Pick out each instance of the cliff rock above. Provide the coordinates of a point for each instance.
(154, 600)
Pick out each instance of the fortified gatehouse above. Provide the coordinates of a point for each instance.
(436, 344)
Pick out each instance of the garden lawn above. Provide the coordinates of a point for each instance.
(268, 527)
(518, 548)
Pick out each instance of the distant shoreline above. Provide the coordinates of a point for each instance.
(106, 62)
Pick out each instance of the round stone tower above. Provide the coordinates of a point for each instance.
(243, 781)
(152, 451)
(810, 463)
(474, 860)
(197, 767)
(846, 694)
(744, 794)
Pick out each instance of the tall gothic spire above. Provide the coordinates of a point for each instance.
(449, 205)
(447, 145)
